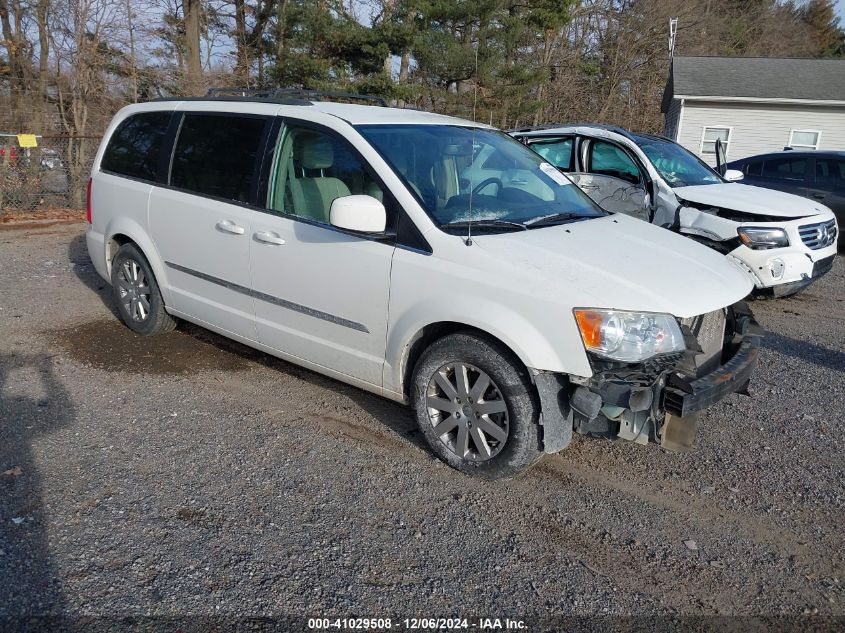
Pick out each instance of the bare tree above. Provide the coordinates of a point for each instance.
(194, 84)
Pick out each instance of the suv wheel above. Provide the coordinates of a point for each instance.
(136, 293)
(476, 406)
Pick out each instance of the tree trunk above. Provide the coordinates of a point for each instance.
(388, 6)
(241, 52)
(404, 66)
(12, 40)
(194, 81)
(281, 26)
(43, 46)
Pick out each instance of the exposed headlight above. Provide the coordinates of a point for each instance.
(628, 336)
(761, 238)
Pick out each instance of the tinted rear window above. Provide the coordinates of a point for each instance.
(134, 147)
(754, 168)
(215, 155)
(831, 171)
(785, 168)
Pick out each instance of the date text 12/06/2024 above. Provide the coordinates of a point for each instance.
(416, 624)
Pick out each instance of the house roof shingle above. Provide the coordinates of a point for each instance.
(757, 77)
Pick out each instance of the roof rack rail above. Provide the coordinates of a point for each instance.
(293, 93)
(551, 126)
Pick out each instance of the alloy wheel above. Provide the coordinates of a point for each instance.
(134, 290)
(468, 412)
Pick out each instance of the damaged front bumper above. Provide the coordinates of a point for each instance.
(642, 402)
(684, 396)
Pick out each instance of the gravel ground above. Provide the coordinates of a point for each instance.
(188, 477)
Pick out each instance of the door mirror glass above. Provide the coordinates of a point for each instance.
(721, 157)
(733, 175)
(360, 213)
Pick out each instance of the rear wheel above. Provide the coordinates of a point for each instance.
(476, 406)
(137, 294)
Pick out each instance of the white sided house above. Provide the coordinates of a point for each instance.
(754, 104)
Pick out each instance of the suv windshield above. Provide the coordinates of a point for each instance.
(678, 166)
(463, 174)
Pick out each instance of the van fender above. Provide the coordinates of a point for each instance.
(564, 353)
(134, 231)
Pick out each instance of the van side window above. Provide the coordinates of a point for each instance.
(215, 155)
(133, 149)
(558, 151)
(609, 160)
(785, 168)
(311, 170)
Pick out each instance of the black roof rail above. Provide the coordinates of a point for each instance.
(300, 94)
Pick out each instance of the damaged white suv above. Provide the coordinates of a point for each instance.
(784, 242)
(353, 240)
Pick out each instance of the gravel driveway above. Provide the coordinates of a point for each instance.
(189, 477)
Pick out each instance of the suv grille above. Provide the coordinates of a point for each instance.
(816, 236)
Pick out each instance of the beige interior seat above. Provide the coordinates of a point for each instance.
(313, 193)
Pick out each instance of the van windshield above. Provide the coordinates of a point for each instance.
(483, 176)
(677, 166)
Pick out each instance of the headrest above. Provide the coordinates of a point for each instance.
(315, 151)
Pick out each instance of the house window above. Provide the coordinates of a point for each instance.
(804, 139)
(711, 134)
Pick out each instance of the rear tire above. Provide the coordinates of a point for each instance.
(476, 406)
(136, 293)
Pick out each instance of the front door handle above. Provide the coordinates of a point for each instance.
(269, 238)
(819, 196)
(227, 226)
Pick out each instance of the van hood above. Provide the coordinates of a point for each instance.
(750, 199)
(618, 262)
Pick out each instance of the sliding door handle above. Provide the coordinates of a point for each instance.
(269, 238)
(227, 226)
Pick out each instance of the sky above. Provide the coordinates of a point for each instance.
(840, 11)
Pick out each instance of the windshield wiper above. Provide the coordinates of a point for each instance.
(556, 218)
(485, 224)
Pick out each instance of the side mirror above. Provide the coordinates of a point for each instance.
(721, 157)
(364, 214)
(733, 175)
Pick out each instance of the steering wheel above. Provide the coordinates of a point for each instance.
(486, 182)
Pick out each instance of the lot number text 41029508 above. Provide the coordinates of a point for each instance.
(417, 624)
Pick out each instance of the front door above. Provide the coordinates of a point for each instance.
(199, 223)
(612, 179)
(321, 293)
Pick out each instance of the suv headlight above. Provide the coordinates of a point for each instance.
(628, 336)
(760, 238)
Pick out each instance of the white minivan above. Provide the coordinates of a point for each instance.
(346, 239)
(783, 242)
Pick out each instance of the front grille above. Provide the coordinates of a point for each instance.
(709, 331)
(819, 235)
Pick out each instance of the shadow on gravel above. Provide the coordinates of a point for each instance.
(29, 585)
(803, 350)
(77, 254)
(97, 342)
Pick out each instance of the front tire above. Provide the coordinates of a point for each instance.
(136, 293)
(476, 406)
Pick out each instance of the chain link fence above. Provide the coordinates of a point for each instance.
(52, 175)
